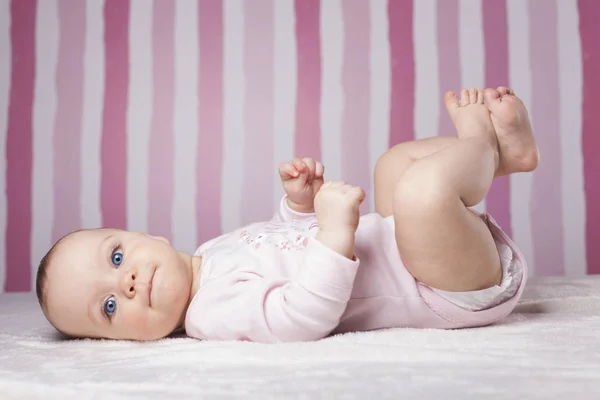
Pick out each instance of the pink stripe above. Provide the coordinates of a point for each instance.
(67, 127)
(19, 138)
(448, 59)
(259, 151)
(400, 14)
(495, 33)
(113, 189)
(546, 210)
(356, 80)
(589, 15)
(210, 120)
(160, 169)
(307, 141)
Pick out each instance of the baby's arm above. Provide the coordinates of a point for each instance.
(310, 306)
(285, 213)
(248, 305)
(337, 211)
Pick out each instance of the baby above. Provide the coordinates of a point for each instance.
(423, 260)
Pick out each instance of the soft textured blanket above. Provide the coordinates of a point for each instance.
(549, 348)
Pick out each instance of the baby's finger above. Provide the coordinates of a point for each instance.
(358, 193)
(319, 170)
(287, 171)
(299, 165)
(310, 164)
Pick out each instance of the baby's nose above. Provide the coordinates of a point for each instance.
(128, 283)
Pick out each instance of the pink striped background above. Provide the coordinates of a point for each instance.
(172, 117)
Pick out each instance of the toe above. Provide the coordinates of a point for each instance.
(451, 100)
(502, 90)
(464, 97)
(479, 96)
(472, 96)
(491, 96)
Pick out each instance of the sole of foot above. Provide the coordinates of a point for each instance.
(517, 145)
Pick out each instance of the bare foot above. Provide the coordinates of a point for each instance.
(518, 148)
(470, 116)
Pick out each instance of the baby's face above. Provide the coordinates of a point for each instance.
(115, 284)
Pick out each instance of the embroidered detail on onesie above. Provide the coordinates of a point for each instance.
(280, 240)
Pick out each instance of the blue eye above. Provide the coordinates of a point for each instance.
(110, 306)
(117, 257)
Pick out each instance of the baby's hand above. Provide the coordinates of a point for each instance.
(301, 180)
(337, 207)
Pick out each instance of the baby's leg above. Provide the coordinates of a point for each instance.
(508, 113)
(442, 243)
(395, 161)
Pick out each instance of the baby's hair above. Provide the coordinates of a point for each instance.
(41, 280)
(42, 277)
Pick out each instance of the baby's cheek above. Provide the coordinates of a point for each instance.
(137, 321)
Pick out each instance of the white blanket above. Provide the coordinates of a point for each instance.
(548, 349)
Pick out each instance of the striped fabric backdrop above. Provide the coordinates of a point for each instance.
(171, 117)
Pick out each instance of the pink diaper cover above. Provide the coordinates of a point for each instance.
(482, 307)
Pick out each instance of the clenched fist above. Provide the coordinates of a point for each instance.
(337, 206)
(301, 180)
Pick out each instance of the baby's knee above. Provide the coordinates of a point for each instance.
(393, 161)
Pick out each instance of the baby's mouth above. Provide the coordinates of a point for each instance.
(150, 287)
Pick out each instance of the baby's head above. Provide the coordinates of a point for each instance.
(108, 283)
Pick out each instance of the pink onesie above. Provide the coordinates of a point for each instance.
(274, 282)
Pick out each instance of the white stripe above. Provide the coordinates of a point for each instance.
(520, 81)
(332, 92)
(471, 44)
(5, 71)
(571, 87)
(91, 134)
(139, 114)
(427, 86)
(185, 125)
(285, 88)
(44, 108)
(233, 118)
(379, 129)
(472, 52)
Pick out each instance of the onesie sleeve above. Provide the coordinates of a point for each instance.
(285, 213)
(244, 305)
